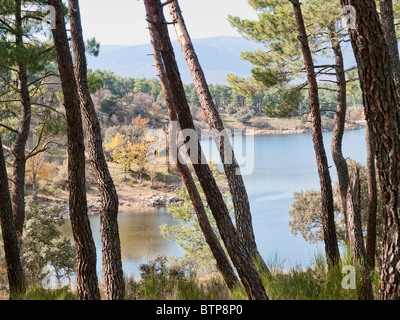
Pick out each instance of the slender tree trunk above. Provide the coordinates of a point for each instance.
(34, 186)
(15, 273)
(328, 217)
(87, 282)
(18, 147)
(389, 32)
(355, 234)
(372, 200)
(236, 184)
(111, 247)
(381, 106)
(340, 119)
(239, 255)
(223, 264)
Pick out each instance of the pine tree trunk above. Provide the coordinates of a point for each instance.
(18, 147)
(381, 106)
(372, 200)
(355, 235)
(34, 186)
(111, 247)
(340, 119)
(15, 273)
(330, 239)
(236, 184)
(239, 255)
(389, 32)
(87, 282)
(223, 264)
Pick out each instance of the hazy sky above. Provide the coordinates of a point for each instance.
(122, 22)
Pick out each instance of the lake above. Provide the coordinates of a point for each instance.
(282, 164)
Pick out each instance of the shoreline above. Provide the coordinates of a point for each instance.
(255, 131)
(139, 197)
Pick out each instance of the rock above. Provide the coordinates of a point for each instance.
(174, 200)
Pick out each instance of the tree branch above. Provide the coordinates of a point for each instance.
(167, 3)
(8, 128)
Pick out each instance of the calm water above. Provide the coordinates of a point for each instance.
(282, 164)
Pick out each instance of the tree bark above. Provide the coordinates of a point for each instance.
(223, 264)
(236, 184)
(15, 273)
(355, 234)
(87, 282)
(340, 119)
(389, 32)
(328, 218)
(18, 147)
(239, 255)
(381, 106)
(372, 200)
(111, 247)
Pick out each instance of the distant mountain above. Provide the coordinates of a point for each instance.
(218, 57)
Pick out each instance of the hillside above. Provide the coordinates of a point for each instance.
(218, 56)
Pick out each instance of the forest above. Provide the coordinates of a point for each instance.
(74, 141)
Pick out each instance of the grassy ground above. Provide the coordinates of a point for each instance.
(314, 283)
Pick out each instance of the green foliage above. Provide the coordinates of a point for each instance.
(95, 82)
(187, 232)
(56, 125)
(305, 215)
(276, 67)
(45, 250)
(38, 293)
(92, 47)
(108, 103)
(162, 282)
(244, 115)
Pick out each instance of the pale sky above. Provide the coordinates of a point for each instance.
(122, 22)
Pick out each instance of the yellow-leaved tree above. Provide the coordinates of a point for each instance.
(126, 153)
(121, 151)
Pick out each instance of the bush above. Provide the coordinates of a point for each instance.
(161, 282)
(39, 293)
(230, 109)
(108, 103)
(244, 116)
(45, 250)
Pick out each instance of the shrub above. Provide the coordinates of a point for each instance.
(108, 104)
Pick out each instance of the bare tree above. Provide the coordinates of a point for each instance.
(111, 247)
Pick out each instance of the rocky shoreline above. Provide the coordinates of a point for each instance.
(154, 201)
(141, 198)
(258, 131)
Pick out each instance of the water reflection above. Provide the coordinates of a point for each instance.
(140, 237)
(282, 164)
